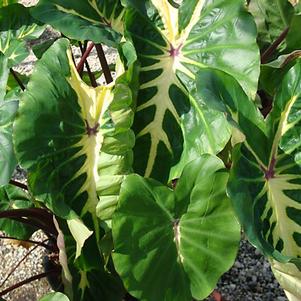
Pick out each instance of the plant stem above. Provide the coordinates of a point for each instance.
(38, 243)
(22, 260)
(14, 74)
(82, 48)
(91, 75)
(28, 280)
(267, 53)
(18, 184)
(84, 57)
(104, 63)
(36, 217)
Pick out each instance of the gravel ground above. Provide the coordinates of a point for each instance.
(250, 279)
(10, 255)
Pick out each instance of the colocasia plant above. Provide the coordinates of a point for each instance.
(143, 184)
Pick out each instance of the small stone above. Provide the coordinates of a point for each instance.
(281, 298)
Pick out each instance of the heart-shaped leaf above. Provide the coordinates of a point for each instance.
(74, 140)
(177, 239)
(172, 125)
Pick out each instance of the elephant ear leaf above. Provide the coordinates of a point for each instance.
(265, 180)
(16, 27)
(99, 21)
(65, 135)
(172, 125)
(177, 237)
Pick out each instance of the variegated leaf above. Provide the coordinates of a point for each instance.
(265, 181)
(67, 132)
(99, 21)
(16, 27)
(289, 278)
(172, 125)
(86, 277)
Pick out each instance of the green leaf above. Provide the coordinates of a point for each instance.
(177, 239)
(223, 93)
(16, 27)
(4, 72)
(298, 7)
(39, 49)
(98, 21)
(272, 73)
(272, 18)
(74, 140)
(294, 35)
(55, 297)
(12, 88)
(172, 124)
(12, 197)
(8, 110)
(265, 178)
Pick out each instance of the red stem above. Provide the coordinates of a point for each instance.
(28, 280)
(36, 217)
(104, 64)
(91, 75)
(84, 57)
(266, 55)
(18, 184)
(22, 260)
